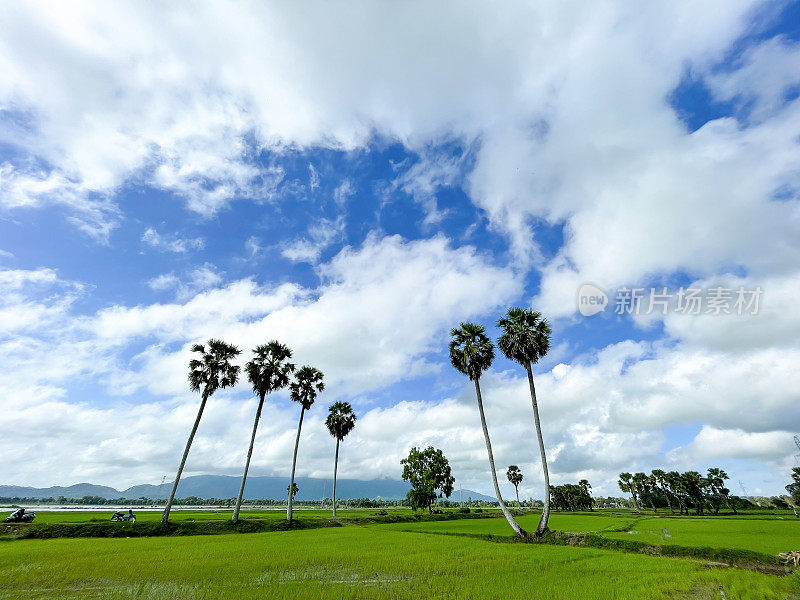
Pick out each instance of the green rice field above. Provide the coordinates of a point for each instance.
(767, 535)
(402, 560)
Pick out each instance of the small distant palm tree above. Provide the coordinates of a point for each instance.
(292, 489)
(304, 389)
(268, 372)
(526, 339)
(341, 420)
(472, 352)
(515, 477)
(211, 372)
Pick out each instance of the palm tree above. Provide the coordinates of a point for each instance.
(341, 420)
(207, 374)
(304, 389)
(515, 477)
(268, 372)
(472, 352)
(526, 339)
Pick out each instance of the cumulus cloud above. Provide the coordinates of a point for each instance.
(565, 109)
(381, 308)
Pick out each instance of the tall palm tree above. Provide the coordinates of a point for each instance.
(515, 477)
(304, 389)
(341, 420)
(472, 352)
(526, 339)
(268, 372)
(211, 372)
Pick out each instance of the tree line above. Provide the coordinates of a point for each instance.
(684, 491)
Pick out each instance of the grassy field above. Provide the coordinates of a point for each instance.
(356, 562)
(403, 560)
(499, 526)
(770, 536)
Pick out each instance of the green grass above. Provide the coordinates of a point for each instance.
(500, 527)
(357, 562)
(769, 536)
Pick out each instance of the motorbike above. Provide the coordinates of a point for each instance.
(20, 516)
(120, 516)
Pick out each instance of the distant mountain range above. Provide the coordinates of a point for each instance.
(223, 486)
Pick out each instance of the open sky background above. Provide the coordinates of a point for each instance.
(356, 178)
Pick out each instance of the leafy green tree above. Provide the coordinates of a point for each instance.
(660, 479)
(626, 484)
(340, 421)
(515, 477)
(794, 488)
(678, 490)
(268, 372)
(695, 486)
(526, 339)
(472, 352)
(571, 497)
(586, 488)
(716, 479)
(211, 372)
(428, 471)
(304, 389)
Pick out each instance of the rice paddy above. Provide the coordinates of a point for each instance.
(403, 560)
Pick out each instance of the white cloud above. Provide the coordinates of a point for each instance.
(343, 192)
(565, 107)
(253, 246)
(763, 76)
(321, 235)
(128, 92)
(313, 177)
(171, 243)
(199, 279)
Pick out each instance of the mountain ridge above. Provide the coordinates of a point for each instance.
(227, 486)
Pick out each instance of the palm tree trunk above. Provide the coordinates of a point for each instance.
(335, 469)
(238, 507)
(514, 525)
(517, 490)
(542, 528)
(294, 465)
(165, 516)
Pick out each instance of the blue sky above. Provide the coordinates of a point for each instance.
(356, 187)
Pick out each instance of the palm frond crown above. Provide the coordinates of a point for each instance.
(213, 370)
(341, 419)
(269, 370)
(306, 385)
(471, 350)
(526, 335)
